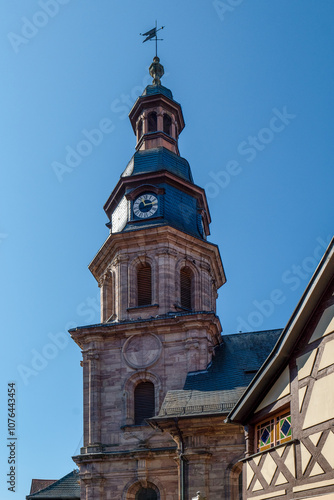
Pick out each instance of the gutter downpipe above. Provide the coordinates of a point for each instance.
(182, 463)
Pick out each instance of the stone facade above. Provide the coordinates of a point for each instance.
(159, 220)
(157, 343)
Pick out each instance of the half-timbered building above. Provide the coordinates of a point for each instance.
(288, 409)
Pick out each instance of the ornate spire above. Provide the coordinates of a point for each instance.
(156, 71)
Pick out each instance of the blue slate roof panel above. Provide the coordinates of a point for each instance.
(156, 90)
(235, 362)
(158, 159)
(218, 388)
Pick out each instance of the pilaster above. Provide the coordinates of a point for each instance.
(92, 399)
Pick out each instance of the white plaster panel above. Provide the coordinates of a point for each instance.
(319, 484)
(315, 438)
(278, 493)
(281, 479)
(317, 470)
(280, 389)
(301, 393)
(280, 450)
(327, 357)
(328, 449)
(305, 364)
(306, 456)
(269, 468)
(321, 405)
(329, 496)
(257, 486)
(249, 474)
(290, 461)
(325, 325)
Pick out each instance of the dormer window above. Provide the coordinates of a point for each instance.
(152, 121)
(167, 124)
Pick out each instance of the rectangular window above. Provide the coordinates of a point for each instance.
(273, 431)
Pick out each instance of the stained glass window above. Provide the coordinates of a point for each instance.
(284, 428)
(265, 434)
(272, 432)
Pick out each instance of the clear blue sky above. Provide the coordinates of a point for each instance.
(255, 80)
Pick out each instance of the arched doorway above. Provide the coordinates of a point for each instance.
(146, 494)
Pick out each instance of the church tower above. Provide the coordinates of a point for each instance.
(158, 277)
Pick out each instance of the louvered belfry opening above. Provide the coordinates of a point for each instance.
(144, 402)
(144, 285)
(146, 494)
(167, 124)
(186, 286)
(152, 122)
(140, 129)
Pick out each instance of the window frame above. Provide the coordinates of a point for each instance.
(152, 403)
(152, 121)
(141, 267)
(189, 290)
(273, 421)
(167, 124)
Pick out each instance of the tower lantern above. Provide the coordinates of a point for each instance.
(156, 118)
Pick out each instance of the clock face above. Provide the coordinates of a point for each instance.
(145, 206)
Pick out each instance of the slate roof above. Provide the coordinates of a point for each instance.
(156, 159)
(40, 484)
(157, 89)
(66, 488)
(218, 388)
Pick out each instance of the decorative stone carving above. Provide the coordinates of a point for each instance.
(104, 279)
(141, 351)
(89, 355)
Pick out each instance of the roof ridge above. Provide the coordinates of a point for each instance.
(252, 333)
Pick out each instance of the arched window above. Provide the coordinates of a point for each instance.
(146, 494)
(152, 122)
(144, 402)
(186, 277)
(167, 124)
(144, 285)
(140, 129)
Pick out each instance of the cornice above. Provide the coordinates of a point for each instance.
(120, 242)
(162, 325)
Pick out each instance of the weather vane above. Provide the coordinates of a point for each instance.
(152, 35)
